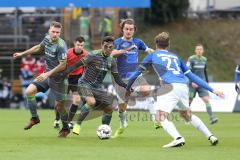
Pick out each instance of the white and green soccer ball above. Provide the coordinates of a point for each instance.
(104, 131)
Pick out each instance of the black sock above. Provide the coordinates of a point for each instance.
(57, 118)
(72, 112)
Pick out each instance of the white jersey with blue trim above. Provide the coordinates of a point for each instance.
(127, 63)
(169, 67)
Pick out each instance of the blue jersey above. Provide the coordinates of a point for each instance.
(237, 73)
(167, 65)
(170, 69)
(127, 62)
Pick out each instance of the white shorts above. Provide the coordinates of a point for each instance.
(175, 99)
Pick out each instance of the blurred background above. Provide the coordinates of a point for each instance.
(214, 23)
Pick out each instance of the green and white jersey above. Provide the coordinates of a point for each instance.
(96, 67)
(55, 52)
(198, 66)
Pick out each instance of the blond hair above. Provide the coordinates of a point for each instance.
(56, 24)
(162, 40)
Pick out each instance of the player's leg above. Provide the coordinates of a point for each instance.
(122, 113)
(31, 91)
(89, 102)
(205, 99)
(73, 88)
(32, 105)
(107, 114)
(73, 108)
(58, 92)
(165, 104)
(198, 124)
(84, 111)
(192, 94)
(57, 119)
(60, 107)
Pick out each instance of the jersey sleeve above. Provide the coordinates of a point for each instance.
(88, 58)
(62, 53)
(114, 66)
(143, 66)
(194, 78)
(146, 61)
(184, 67)
(142, 46)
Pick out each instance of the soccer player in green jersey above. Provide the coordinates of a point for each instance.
(97, 63)
(55, 50)
(198, 65)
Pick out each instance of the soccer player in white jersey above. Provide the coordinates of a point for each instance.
(172, 70)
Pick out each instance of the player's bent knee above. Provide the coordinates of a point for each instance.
(91, 101)
(31, 90)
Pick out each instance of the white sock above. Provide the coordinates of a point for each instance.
(197, 123)
(170, 128)
(151, 108)
(122, 118)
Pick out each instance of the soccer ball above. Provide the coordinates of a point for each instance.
(104, 131)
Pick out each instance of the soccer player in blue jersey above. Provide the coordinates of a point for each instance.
(198, 65)
(172, 70)
(126, 52)
(55, 50)
(237, 78)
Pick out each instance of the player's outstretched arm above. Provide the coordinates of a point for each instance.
(116, 52)
(58, 68)
(118, 80)
(218, 93)
(150, 50)
(34, 49)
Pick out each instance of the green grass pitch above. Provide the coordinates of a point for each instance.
(140, 141)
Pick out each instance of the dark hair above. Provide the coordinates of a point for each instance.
(80, 39)
(128, 21)
(56, 24)
(108, 39)
(162, 40)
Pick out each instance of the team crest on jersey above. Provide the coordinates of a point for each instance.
(64, 56)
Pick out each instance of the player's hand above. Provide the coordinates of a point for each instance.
(42, 77)
(219, 93)
(237, 87)
(194, 85)
(16, 55)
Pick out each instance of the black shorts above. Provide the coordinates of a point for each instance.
(73, 83)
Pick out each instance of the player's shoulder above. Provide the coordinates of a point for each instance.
(137, 40)
(192, 57)
(61, 42)
(118, 40)
(204, 58)
(70, 50)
